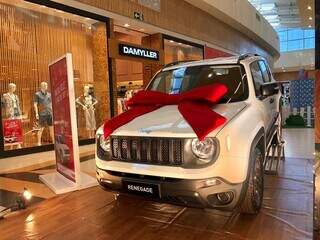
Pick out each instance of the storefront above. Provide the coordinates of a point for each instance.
(32, 37)
(111, 62)
(138, 54)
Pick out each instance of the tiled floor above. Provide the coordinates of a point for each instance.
(12, 182)
(299, 142)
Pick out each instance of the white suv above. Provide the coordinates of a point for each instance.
(158, 154)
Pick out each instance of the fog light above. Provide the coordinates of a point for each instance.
(225, 197)
(212, 182)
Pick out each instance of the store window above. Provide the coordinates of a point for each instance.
(179, 51)
(33, 36)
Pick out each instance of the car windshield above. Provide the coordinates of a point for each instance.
(184, 79)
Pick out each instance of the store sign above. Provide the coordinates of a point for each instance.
(132, 51)
(64, 118)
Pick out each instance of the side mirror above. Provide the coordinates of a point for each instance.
(268, 89)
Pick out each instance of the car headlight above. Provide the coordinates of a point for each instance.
(104, 143)
(205, 150)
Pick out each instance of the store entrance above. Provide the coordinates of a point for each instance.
(129, 72)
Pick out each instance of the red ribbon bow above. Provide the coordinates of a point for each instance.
(195, 107)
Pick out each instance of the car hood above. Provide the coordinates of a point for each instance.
(168, 122)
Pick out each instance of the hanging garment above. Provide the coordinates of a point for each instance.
(88, 102)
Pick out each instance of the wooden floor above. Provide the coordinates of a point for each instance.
(95, 214)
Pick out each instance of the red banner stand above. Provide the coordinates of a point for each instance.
(67, 176)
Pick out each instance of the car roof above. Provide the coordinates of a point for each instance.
(214, 61)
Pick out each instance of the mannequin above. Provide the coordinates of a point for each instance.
(43, 110)
(87, 102)
(11, 106)
(11, 103)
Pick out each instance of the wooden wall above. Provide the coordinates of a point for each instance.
(128, 70)
(30, 40)
(181, 17)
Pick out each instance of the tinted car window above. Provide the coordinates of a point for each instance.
(257, 77)
(184, 79)
(265, 72)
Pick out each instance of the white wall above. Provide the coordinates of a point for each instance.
(241, 15)
(291, 61)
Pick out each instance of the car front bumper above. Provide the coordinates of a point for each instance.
(195, 193)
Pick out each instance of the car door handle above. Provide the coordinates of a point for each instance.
(271, 100)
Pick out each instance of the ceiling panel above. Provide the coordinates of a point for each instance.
(286, 13)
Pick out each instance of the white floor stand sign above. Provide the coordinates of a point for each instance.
(67, 176)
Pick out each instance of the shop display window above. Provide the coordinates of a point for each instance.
(33, 36)
(178, 51)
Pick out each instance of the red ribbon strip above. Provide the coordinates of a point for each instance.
(195, 106)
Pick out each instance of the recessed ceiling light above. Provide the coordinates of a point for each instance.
(309, 26)
(310, 18)
(171, 41)
(180, 43)
(309, 7)
(126, 25)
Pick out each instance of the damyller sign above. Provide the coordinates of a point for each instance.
(132, 51)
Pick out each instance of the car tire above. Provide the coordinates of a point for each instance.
(253, 196)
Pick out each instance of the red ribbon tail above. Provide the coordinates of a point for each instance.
(201, 118)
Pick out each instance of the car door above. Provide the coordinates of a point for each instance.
(264, 104)
(272, 99)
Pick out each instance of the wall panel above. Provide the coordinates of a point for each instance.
(182, 17)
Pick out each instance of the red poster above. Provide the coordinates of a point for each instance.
(214, 53)
(12, 131)
(64, 148)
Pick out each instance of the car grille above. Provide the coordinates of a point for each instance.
(161, 151)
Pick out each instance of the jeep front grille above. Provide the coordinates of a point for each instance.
(161, 151)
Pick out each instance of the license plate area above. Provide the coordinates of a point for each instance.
(141, 188)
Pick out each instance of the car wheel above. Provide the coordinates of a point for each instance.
(253, 196)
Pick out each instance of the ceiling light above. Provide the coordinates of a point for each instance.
(267, 7)
(309, 26)
(180, 43)
(126, 25)
(171, 41)
(271, 17)
(309, 7)
(275, 24)
(310, 18)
